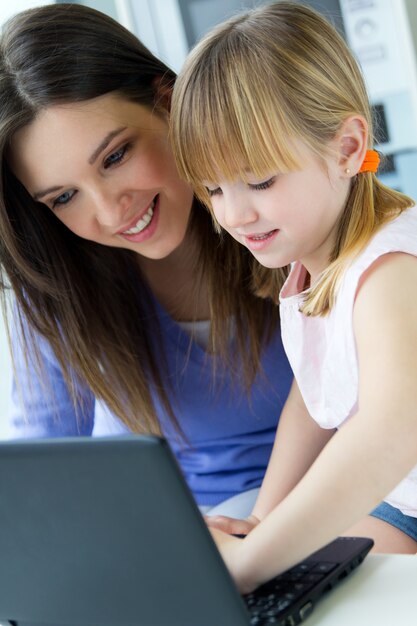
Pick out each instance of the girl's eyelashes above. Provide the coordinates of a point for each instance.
(213, 192)
(264, 185)
(63, 199)
(116, 157)
(256, 186)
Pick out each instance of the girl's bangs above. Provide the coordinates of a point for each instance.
(223, 130)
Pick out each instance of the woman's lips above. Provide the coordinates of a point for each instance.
(146, 224)
(133, 222)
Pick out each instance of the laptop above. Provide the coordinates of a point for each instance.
(105, 532)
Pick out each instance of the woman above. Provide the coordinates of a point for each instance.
(131, 313)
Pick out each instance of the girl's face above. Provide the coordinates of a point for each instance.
(285, 217)
(106, 170)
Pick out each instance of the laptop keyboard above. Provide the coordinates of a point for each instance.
(269, 603)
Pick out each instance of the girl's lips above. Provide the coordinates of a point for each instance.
(147, 232)
(260, 241)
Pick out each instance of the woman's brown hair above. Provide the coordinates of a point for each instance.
(74, 292)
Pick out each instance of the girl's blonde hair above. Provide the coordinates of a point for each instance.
(262, 79)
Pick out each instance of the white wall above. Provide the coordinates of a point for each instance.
(7, 9)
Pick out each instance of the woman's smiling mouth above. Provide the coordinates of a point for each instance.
(145, 226)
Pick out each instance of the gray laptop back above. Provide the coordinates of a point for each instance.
(105, 532)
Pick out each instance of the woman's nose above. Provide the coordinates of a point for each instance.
(111, 210)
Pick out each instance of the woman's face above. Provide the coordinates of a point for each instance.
(105, 168)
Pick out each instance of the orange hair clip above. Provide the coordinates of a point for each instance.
(370, 162)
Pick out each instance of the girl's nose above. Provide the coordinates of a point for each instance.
(238, 211)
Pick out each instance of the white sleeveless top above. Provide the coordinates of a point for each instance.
(322, 351)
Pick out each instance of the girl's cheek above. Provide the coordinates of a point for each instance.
(217, 212)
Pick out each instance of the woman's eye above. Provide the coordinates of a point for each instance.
(64, 198)
(213, 192)
(264, 185)
(116, 157)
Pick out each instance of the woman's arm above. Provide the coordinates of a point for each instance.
(42, 405)
(369, 456)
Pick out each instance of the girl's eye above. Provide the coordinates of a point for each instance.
(213, 192)
(64, 198)
(264, 185)
(116, 157)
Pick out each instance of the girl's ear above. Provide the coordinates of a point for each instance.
(163, 93)
(351, 144)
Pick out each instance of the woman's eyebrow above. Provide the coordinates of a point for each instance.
(103, 144)
(39, 194)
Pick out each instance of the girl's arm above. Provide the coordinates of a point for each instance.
(298, 442)
(371, 453)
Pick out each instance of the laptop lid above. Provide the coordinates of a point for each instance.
(105, 532)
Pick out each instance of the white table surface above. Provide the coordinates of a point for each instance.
(381, 592)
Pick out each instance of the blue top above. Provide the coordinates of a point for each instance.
(229, 435)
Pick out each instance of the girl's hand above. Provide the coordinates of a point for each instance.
(232, 526)
(232, 551)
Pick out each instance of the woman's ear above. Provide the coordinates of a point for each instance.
(163, 93)
(351, 144)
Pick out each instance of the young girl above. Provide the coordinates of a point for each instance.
(272, 125)
(130, 314)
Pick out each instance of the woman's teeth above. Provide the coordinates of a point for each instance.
(142, 223)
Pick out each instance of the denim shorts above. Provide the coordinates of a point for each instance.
(393, 516)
